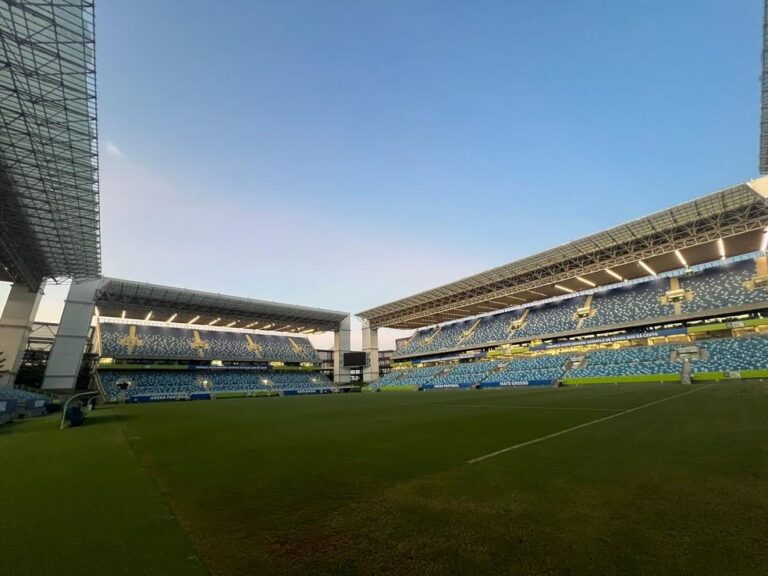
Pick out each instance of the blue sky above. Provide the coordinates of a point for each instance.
(342, 154)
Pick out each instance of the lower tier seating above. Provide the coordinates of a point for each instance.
(544, 367)
(630, 361)
(15, 402)
(733, 354)
(716, 355)
(183, 383)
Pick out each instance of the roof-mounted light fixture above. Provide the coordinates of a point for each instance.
(721, 248)
(612, 273)
(681, 258)
(585, 281)
(647, 268)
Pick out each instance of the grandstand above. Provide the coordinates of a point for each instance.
(711, 289)
(128, 340)
(18, 403)
(143, 362)
(711, 357)
(163, 343)
(598, 309)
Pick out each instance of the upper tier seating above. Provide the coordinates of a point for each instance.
(717, 287)
(184, 382)
(551, 318)
(435, 339)
(629, 303)
(492, 329)
(143, 341)
(721, 287)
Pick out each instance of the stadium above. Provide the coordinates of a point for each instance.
(595, 408)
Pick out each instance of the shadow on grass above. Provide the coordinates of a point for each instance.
(99, 417)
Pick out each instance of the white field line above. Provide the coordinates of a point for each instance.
(580, 426)
(519, 407)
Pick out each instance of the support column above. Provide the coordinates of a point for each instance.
(341, 344)
(371, 348)
(15, 327)
(72, 337)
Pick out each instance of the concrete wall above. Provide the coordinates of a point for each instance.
(341, 344)
(15, 327)
(72, 338)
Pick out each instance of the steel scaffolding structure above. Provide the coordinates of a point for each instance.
(738, 212)
(49, 201)
(764, 97)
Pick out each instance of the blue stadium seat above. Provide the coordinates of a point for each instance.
(146, 341)
(551, 318)
(714, 288)
(629, 303)
(182, 383)
(628, 361)
(469, 373)
(733, 354)
(532, 368)
(721, 287)
(23, 403)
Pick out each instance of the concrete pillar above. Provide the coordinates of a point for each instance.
(15, 327)
(341, 344)
(72, 337)
(371, 347)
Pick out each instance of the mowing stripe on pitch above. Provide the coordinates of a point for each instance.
(522, 407)
(590, 423)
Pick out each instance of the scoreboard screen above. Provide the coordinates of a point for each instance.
(355, 359)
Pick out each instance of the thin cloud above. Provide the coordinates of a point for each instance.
(113, 151)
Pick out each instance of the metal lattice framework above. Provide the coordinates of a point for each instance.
(764, 97)
(728, 213)
(134, 300)
(49, 202)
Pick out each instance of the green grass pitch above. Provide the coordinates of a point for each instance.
(382, 484)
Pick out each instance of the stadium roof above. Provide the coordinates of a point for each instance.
(49, 202)
(738, 215)
(136, 300)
